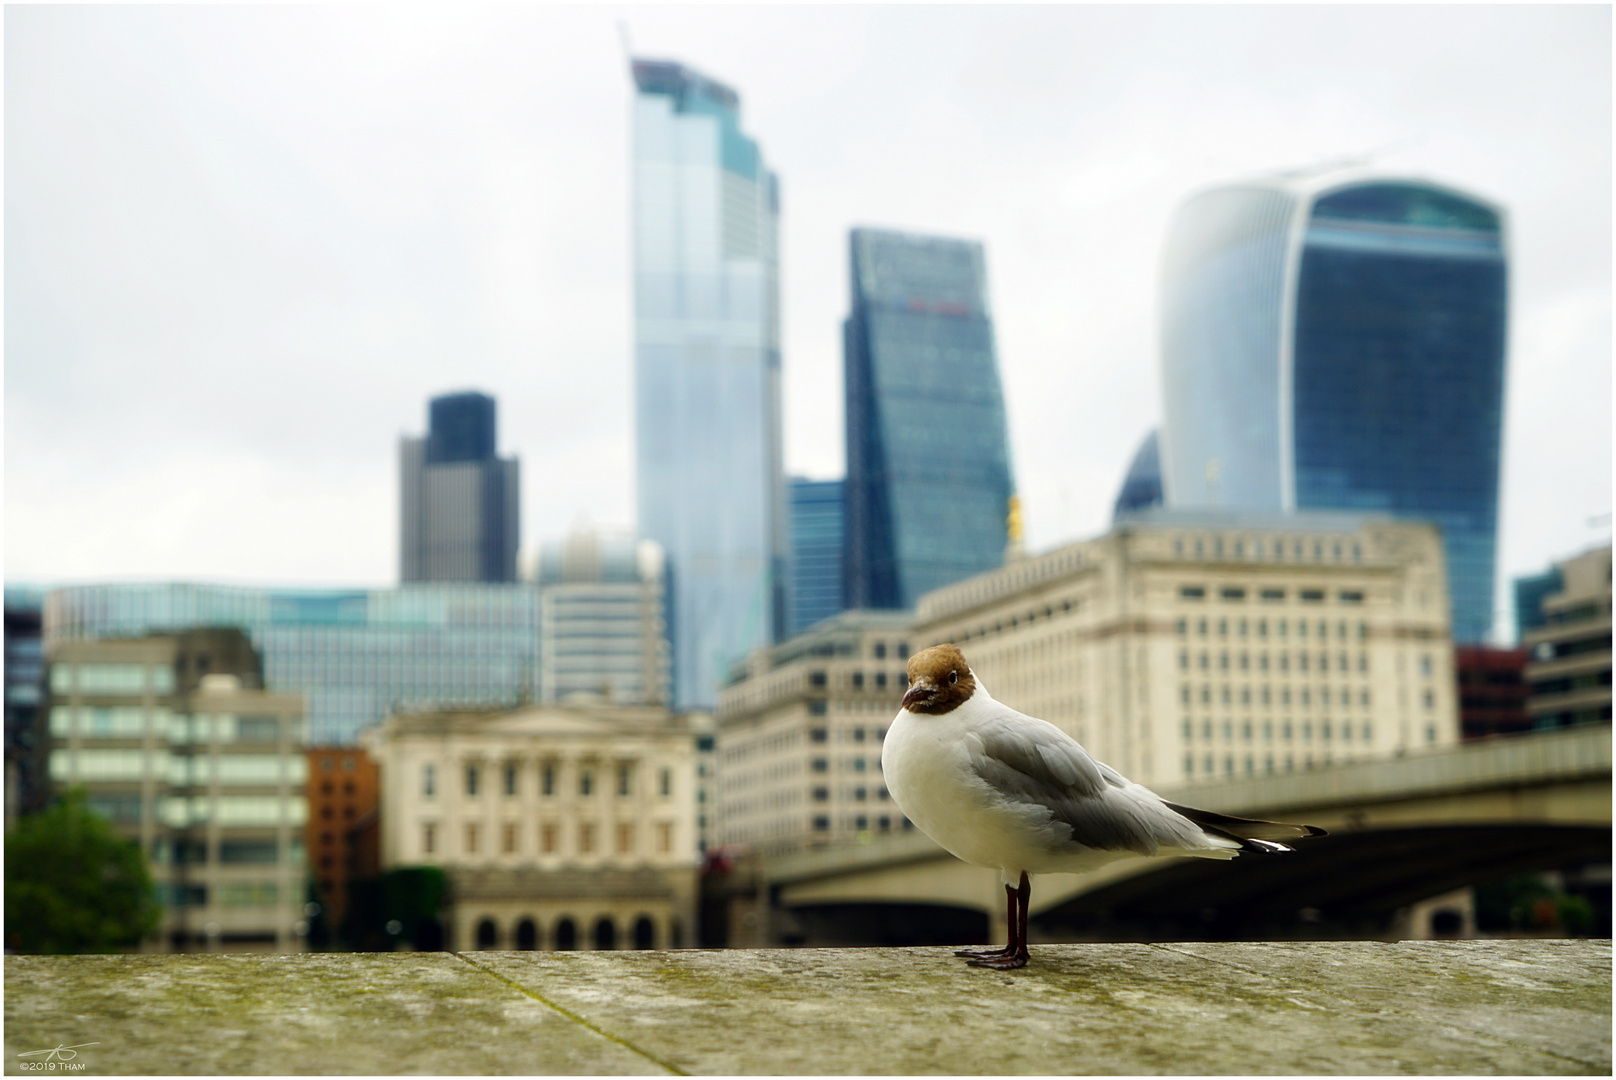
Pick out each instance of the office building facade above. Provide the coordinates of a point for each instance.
(708, 457)
(818, 540)
(341, 837)
(1337, 342)
(459, 503)
(1568, 664)
(559, 827)
(354, 654)
(1200, 645)
(176, 743)
(928, 460)
(602, 618)
(800, 727)
(25, 784)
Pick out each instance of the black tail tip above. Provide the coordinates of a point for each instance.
(1314, 830)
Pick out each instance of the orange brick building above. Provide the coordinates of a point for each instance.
(342, 797)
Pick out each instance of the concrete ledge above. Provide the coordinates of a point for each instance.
(1475, 1007)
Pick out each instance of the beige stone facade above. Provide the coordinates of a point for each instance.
(175, 743)
(1193, 645)
(799, 736)
(1568, 658)
(559, 826)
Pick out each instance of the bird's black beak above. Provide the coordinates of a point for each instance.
(921, 691)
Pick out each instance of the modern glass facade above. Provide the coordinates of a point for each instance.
(355, 654)
(707, 372)
(928, 458)
(1341, 346)
(1142, 487)
(458, 502)
(602, 620)
(817, 537)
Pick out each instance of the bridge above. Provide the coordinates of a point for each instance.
(1402, 830)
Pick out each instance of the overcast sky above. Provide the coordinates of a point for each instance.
(243, 245)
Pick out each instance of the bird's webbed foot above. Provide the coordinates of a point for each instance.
(1005, 962)
(986, 954)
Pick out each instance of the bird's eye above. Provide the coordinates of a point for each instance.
(953, 677)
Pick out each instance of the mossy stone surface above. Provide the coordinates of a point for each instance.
(1510, 1007)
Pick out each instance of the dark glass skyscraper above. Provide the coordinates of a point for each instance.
(928, 458)
(708, 458)
(1339, 344)
(458, 502)
(818, 529)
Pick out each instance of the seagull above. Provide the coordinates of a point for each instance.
(1000, 789)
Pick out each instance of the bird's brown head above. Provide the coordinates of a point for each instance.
(940, 681)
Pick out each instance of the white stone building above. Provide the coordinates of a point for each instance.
(559, 826)
(1190, 645)
(799, 735)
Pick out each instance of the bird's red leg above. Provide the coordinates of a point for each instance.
(1010, 921)
(1015, 954)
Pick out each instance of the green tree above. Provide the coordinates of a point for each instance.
(73, 885)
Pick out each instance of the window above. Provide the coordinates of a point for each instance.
(547, 838)
(510, 779)
(819, 764)
(1351, 596)
(508, 841)
(586, 837)
(1192, 592)
(625, 838)
(821, 794)
(547, 778)
(586, 782)
(429, 780)
(1312, 596)
(818, 734)
(471, 838)
(880, 680)
(880, 650)
(1272, 595)
(664, 838)
(471, 779)
(821, 823)
(858, 680)
(665, 782)
(816, 678)
(625, 779)
(1234, 594)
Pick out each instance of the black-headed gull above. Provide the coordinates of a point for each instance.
(1004, 790)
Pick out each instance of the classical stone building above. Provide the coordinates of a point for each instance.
(560, 827)
(799, 735)
(1187, 645)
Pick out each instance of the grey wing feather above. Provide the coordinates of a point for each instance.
(1036, 764)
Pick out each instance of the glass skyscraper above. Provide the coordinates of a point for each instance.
(458, 502)
(355, 654)
(928, 457)
(1142, 487)
(817, 539)
(707, 372)
(1338, 343)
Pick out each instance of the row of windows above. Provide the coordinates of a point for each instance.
(1209, 762)
(587, 835)
(848, 734)
(1282, 661)
(133, 722)
(549, 778)
(1293, 550)
(525, 934)
(177, 770)
(228, 894)
(1248, 729)
(879, 680)
(857, 764)
(1066, 608)
(861, 822)
(857, 794)
(1304, 696)
(1281, 627)
(111, 678)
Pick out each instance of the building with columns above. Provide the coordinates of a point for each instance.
(560, 827)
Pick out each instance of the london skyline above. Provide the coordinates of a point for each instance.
(273, 234)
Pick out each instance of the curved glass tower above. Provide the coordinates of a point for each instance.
(928, 456)
(707, 372)
(1339, 344)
